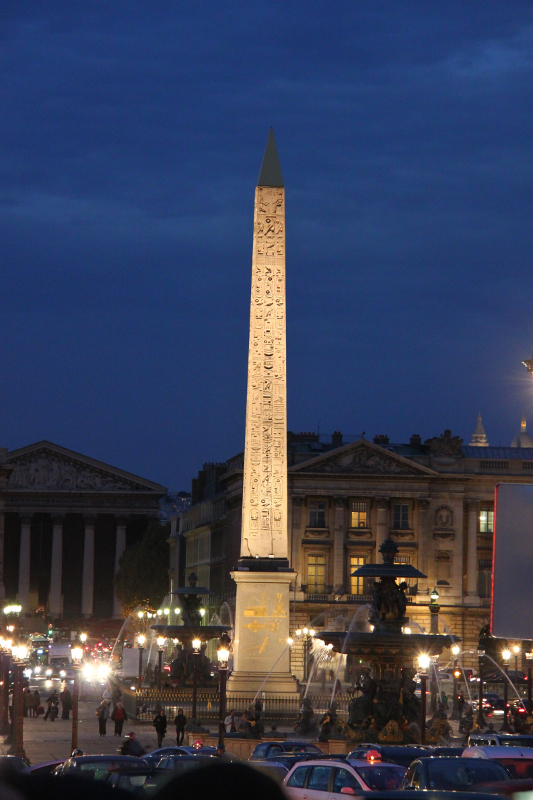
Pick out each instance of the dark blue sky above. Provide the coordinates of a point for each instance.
(131, 139)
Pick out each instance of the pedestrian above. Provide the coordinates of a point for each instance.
(108, 694)
(102, 712)
(52, 703)
(132, 747)
(66, 703)
(229, 722)
(28, 702)
(221, 752)
(36, 702)
(444, 700)
(180, 723)
(460, 704)
(119, 717)
(160, 725)
(10, 704)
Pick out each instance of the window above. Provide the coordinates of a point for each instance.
(486, 520)
(357, 584)
(316, 574)
(344, 778)
(298, 777)
(359, 514)
(484, 577)
(405, 560)
(401, 517)
(444, 569)
(317, 514)
(319, 779)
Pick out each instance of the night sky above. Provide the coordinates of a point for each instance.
(131, 139)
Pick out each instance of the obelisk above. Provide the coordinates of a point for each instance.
(263, 576)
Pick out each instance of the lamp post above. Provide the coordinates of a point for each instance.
(434, 609)
(160, 644)
(506, 655)
(480, 714)
(140, 641)
(456, 675)
(516, 651)
(423, 664)
(77, 655)
(223, 657)
(5, 726)
(17, 739)
(529, 657)
(196, 643)
(306, 636)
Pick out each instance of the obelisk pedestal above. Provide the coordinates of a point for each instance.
(263, 575)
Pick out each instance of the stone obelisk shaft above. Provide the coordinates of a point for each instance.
(264, 506)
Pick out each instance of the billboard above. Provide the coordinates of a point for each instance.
(512, 571)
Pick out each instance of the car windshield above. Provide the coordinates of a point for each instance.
(460, 776)
(381, 778)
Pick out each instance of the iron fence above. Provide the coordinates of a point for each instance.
(144, 705)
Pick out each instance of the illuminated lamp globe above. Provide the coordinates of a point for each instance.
(424, 661)
(141, 640)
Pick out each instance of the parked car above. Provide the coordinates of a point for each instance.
(98, 767)
(453, 774)
(273, 769)
(271, 749)
(326, 780)
(178, 765)
(45, 767)
(154, 757)
(397, 754)
(505, 739)
(139, 781)
(518, 761)
(13, 764)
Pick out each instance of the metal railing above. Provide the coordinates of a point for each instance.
(144, 705)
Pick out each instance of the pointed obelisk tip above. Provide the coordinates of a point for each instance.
(270, 174)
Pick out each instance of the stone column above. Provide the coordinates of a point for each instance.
(472, 596)
(5, 472)
(120, 546)
(56, 572)
(382, 532)
(87, 589)
(424, 544)
(339, 576)
(24, 562)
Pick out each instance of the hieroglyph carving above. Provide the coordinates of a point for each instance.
(264, 505)
(48, 470)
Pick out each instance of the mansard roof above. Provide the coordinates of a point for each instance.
(45, 466)
(363, 458)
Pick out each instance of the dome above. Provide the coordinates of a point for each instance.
(522, 439)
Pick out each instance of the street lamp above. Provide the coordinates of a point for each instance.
(196, 644)
(223, 657)
(77, 654)
(480, 714)
(306, 635)
(140, 641)
(83, 637)
(506, 656)
(516, 651)
(423, 664)
(140, 614)
(456, 675)
(529, 657)
(434, 609)
(160, 644)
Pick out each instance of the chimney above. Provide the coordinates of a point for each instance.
(381, 439)
(415, 440)
(336, 439)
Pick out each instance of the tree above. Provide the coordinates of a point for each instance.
(142, 577)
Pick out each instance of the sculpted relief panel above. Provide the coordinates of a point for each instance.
(48, 470)
(264, 526)
(363, 462)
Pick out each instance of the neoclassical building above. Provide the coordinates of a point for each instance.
(65, 520)
(435, 499)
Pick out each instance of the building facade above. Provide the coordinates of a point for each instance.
(65, 520)
(436, 500)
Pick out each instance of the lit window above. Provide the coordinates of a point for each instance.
(359, 514)
(316, 574)
(486, 520)
(317, 514)
(401, 517)
(405, 560)
(357, 583)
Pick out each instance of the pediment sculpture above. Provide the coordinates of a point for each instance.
(364, 462)
(445, 445)
(48, 470)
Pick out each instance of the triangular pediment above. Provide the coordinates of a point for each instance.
(45, 466)
(362, 458)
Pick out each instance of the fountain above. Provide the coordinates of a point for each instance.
(387, 710)
(191, 637)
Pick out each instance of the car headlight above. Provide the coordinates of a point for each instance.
(62, 674)
(48, 671)
(37, 670)
(88, 670)
(27, 673)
